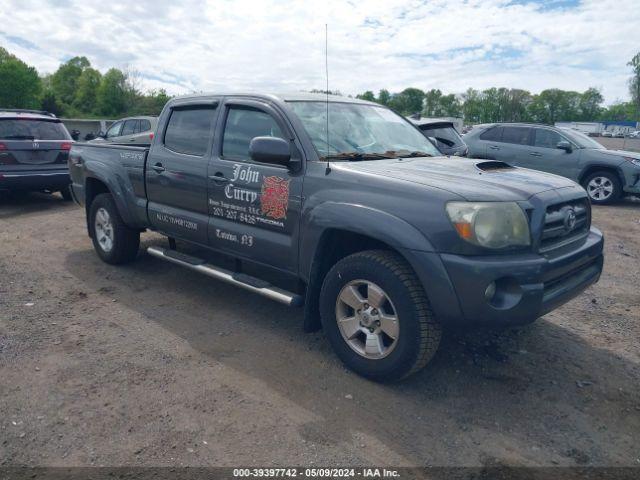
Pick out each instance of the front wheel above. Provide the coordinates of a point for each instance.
(377, 317)
(113, 241)
(603, 187)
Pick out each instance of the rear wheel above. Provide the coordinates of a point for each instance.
(114, 241)
(602, 187)
(377, 316)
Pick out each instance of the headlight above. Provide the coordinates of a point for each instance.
(490, 224)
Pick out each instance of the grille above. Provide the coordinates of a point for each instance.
(559, 227)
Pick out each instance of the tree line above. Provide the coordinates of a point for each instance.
(76, 89)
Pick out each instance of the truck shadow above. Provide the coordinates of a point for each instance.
(13, 204)
(539, 393)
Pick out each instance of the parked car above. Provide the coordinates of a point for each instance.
(618, 134)
(605, 174)
(34, 148)
(382, 239)
(607, 134)
(134, 130)
(442, 134)
(635, 134)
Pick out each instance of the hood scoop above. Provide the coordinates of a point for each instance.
(493, 166)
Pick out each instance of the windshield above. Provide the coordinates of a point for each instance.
(360, 131)
(23, 129)
(582, 140)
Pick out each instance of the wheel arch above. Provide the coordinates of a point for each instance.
(590, 169)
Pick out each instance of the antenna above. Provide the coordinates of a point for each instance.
(326, 71)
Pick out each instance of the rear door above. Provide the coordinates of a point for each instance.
(254, 207)
(176, 172)
(513, 147)
(545, 155)
(129, 130)
(143, 134)
(28, 144)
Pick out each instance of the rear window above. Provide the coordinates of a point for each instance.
(145, 125)
(494, 134)
(23, 129)
(189, 130)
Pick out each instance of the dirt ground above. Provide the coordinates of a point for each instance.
(149, 364)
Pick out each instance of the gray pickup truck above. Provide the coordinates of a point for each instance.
(383, 241)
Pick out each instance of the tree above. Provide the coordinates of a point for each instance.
(634, 84)
(384, 97)
(87, 90)
(408, 101)
(50, 103)
(368, 95)
(19, 83)
(111, 94)
(590, 104)
(64, 81)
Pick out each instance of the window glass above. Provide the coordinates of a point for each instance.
(359, 129)
(114, 130)
(189, 130)
(23, 129)
(516, 135)
(494, 134)
(129, 127)
(145, 125)
(443, 136)
(547, 138)
(243, 125)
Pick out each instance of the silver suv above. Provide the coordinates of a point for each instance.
(606, 175)
(131, 130)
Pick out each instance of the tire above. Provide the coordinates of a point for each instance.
(417, 333)
(121, 243)
(66, 193)
(603, 187)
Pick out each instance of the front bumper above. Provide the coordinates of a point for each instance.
(527, 285)
(35, 180)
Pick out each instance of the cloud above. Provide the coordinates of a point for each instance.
(274, 45)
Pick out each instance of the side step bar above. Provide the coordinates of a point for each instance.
(241, 280)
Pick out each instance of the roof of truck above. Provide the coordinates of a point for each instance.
(285, 97)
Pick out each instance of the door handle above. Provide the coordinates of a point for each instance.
(158, 168)
(218, 178)
(493, 147)
(535, 154)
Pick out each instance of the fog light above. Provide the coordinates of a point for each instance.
(490, 292)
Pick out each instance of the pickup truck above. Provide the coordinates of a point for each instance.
(357, 217)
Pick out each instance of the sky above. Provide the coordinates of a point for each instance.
(276, 46)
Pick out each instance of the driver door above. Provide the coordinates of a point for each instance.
(254, 208)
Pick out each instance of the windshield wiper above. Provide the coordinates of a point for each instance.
(355, 156)
(417, 153)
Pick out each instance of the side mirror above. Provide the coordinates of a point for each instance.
(564, 145)
(270, 150)
(102, 134)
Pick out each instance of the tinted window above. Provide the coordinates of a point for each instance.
(517, 135)
(242, 126)
(114, 131)
(189, 130)
(547, 138)
(443, 136)
(145, 125)
(494, 134)
(129, 127)
(23, 129)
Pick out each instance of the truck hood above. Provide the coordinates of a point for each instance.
(475, 180)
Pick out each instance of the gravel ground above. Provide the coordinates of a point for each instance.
(149, 364)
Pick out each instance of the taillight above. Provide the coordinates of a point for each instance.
(3, 146)
(151, 136)
(65, 146)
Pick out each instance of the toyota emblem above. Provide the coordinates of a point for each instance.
(569, 219)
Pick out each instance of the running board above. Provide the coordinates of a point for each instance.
(241, 280)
